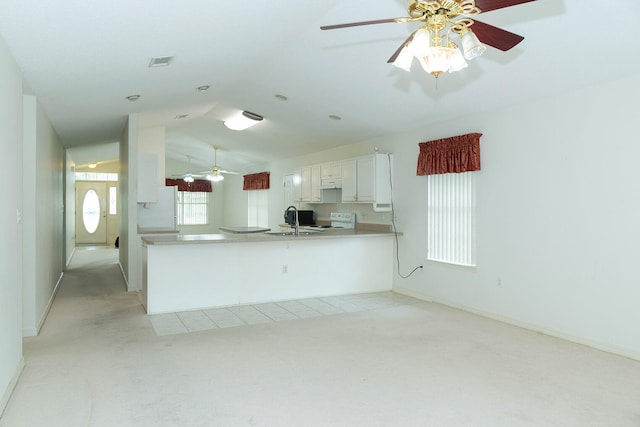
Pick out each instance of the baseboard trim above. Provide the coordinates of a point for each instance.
(34, 332)
(11, 387)
(124, 276)
(73, 251)
(525, 325)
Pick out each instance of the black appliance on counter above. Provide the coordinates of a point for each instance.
(304, 217)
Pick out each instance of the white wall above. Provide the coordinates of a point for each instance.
(128, 202)
(43, 212)
(558, 202)
(69, 207)
(11, 250)
(235, 201)
(151, 141)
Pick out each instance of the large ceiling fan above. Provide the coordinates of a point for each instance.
(431, 44)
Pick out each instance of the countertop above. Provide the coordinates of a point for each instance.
(243, 230)
(145, 230)
(185, 239)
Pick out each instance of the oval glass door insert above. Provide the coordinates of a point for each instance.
(91, 211)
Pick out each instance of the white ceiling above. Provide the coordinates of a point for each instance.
(81, 59)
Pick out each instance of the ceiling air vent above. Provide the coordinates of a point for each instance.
(162, 61)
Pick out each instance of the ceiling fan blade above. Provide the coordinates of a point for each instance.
(397, 52)
(229, 172)
(357, 24)
(494, 36)
(488, 5)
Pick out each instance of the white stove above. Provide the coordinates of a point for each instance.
(338, 220)
(343, 220)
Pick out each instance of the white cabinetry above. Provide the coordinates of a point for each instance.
(316, 192)
(357, 180)
(367, 180)
(302, 184)
(332, 170)
(320, 194)
(307, 186)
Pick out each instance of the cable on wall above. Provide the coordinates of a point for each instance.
(393, 224)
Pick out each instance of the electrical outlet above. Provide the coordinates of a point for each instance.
(285, 269)
(499, 282)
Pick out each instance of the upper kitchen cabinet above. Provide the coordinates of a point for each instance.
(316, 192)
(320, 193)
(367, 180)
(332, 170)
(302, 184)
(331, 175)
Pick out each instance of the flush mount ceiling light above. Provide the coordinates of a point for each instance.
(92, 165)
(431, 44)
(243, 120)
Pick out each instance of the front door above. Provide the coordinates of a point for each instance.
(91, 213)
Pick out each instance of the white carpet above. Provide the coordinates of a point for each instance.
(98, 362)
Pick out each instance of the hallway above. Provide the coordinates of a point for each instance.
(99, 363)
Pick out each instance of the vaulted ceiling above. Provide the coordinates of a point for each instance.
(82, 59)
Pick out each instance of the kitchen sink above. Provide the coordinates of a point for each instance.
(288, 233)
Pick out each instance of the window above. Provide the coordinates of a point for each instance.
(192, 208)
(113, 200)
(451, 218)
(96, 176)
(258, 208)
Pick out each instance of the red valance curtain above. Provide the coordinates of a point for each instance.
(450, 155)
(256, 181)
(199, 185)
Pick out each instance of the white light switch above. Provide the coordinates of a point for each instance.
(18, 216)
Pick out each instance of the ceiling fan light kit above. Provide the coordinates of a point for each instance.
(431, 44)
(215, 177)
(243, 120)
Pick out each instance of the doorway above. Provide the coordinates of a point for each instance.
(92, 209)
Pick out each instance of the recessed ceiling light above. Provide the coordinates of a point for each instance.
(202, 88)
(334, 117)
(181, 116)
(133, 97)
(281, 97)
(161, 61)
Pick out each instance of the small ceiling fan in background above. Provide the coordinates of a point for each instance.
(187, 176)
(431, 44)
(214, 174)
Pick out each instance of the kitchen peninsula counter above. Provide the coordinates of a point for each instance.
(191, 272)
(183, 239)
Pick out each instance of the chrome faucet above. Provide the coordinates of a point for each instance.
(296, 224)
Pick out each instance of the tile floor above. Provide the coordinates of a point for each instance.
(228, 317)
